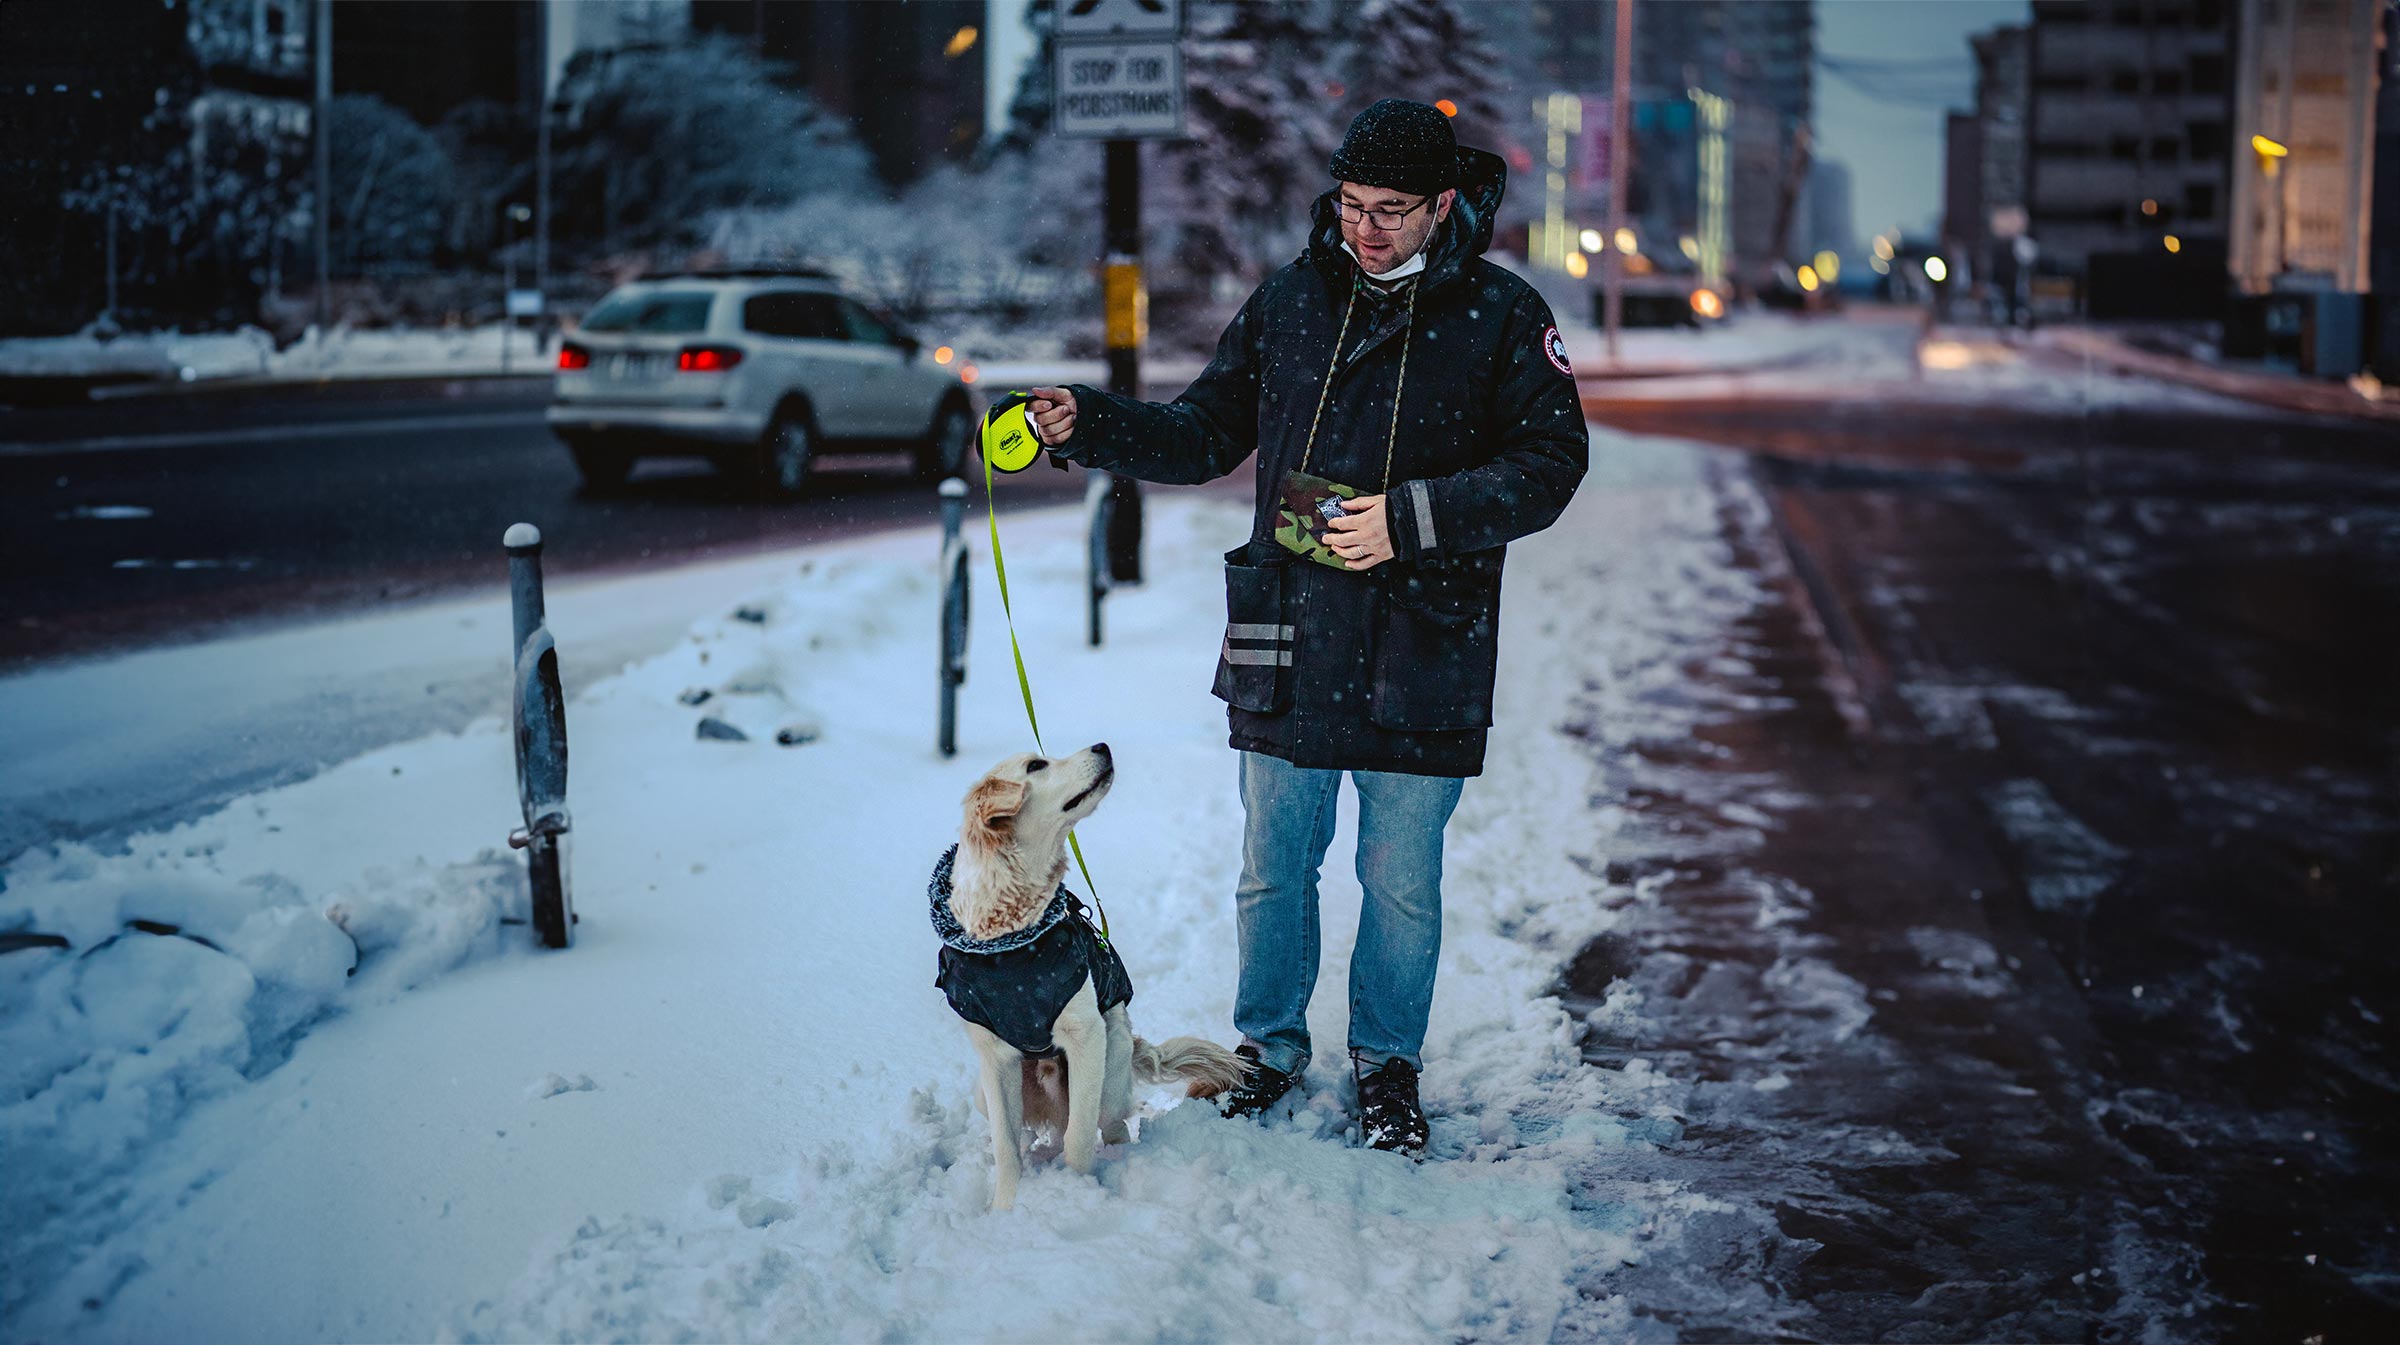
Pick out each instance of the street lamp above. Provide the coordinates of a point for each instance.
(2271, 154)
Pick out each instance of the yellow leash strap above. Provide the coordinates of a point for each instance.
(991, 518)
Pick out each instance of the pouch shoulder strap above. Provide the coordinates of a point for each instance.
(1331, 365)
(1408, 334)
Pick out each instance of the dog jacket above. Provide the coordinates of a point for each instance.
(1017, 984)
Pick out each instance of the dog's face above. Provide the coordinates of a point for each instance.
(1030, 800)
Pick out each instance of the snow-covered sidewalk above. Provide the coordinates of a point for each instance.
(170, 360)
(738, 1109)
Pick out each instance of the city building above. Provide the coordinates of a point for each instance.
(2129, 149)
(1721, 96)
(1984, 218)
(1963, 227)
(2304, 129)
(2001, 96)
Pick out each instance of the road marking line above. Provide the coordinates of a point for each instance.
(203, 438)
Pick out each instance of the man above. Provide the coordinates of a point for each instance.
(1393, 365)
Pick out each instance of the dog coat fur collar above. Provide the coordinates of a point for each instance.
(1016, 985)
(945, 924)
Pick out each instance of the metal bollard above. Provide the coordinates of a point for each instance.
(540, 714)
(1100, 505)
(954, 610)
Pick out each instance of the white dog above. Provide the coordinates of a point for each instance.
(1042, 994)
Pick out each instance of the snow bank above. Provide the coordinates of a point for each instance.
(195, 964)
(738, 1108)
(166, 357)
(248, 352)
(404, 352)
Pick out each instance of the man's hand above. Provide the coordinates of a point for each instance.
(1053, 415)
(1361, 538)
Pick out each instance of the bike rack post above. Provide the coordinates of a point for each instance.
(1100, 504)
(953, 669)
(539, 710)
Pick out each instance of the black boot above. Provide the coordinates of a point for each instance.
(1262, 1088)
(1388, 1114)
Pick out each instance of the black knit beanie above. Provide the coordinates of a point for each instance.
(1399, 145)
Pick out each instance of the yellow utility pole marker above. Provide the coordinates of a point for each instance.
(1128, 305)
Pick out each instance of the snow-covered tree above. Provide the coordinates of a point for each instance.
(392, 185)
(658, 138)
(1232, 199)
(491, 145)
(1219, 207)
(1029, 107)
(1425, 50)
(202, 225)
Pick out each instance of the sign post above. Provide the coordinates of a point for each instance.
(1120, 79)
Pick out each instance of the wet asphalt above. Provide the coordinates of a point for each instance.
(2026, 935)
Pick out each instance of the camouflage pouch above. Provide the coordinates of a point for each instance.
(1305, 506)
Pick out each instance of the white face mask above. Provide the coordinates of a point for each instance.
(1404, 270)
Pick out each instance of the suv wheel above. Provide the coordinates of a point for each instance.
(603, 467)
(784, 458)
(944, 452)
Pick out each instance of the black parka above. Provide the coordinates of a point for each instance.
(1390, 668)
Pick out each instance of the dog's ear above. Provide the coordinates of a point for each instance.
(992, 807)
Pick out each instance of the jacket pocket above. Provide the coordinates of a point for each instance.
(1254, 664)
(1437, 646)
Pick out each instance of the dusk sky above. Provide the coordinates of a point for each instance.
(1892, 141)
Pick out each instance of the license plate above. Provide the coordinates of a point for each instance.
(634, 365)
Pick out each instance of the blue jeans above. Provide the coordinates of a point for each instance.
(1289, 812)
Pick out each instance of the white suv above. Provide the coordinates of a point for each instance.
(760, 371)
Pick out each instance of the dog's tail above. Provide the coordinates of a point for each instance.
(1207, 1068)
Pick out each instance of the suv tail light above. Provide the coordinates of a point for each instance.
(572, 356)
(707, 359)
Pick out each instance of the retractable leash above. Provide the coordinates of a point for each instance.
(1010, 444)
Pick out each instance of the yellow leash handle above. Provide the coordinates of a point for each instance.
(1008, 437)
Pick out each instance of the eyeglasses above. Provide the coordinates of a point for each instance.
(1386, 220)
